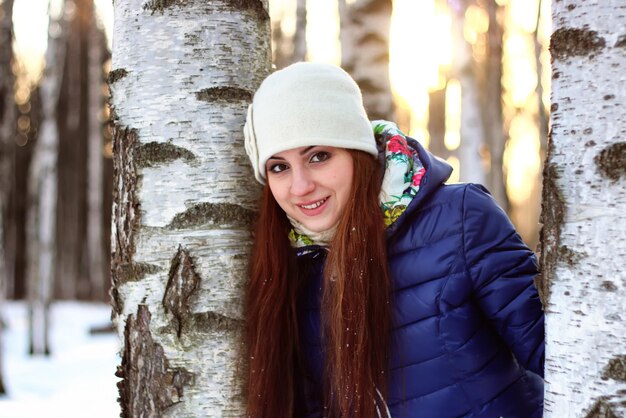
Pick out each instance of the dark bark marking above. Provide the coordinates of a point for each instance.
(215, 94)
(588, 131)
(222, 214)
(192, 39)
(609, 97)
(154, 153)
(213, 321)
(572, 42)
(117, 303)
(616, 369)
(621, 42)
(571, 7)
(148, 386)
(181, 285)
(115, 75)
(590, 143)
(134, 272)
(569, 256)
(369, 85)
(554, 107)
(553, 211)
(126, 213)
(611, 161)
(255, 6)
(609, 286)
(373, 39)
(601, 409)
(160, 5)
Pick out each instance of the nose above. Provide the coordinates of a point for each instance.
(301, 182)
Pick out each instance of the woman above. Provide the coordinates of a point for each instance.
(375, 289)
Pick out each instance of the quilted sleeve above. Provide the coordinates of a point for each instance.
(502, 268)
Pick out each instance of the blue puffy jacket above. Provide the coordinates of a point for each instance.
(468, 331)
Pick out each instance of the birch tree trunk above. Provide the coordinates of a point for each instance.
(437, 123)
(543, 114)
(7, 125)
(42, 190)
(532, 208)
(7, 131)
(299, 37)
(492, 105)
(584, 197)
(72, 273)
(183, 75)
(95, 181)
(472, 129)
(364, 35)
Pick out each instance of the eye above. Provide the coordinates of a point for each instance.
(319, 157)
(277, 168)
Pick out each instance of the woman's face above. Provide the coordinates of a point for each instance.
(311, 184)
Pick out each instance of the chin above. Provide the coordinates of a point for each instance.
(317, 227)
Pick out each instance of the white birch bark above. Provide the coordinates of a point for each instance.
(95, 181)
(42, 192)
(472, 129)
(364, 35)
(182, 76)
(584, 250)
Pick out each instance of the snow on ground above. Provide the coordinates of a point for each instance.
(76, 381)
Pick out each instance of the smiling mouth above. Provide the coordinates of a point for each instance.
(314, 205)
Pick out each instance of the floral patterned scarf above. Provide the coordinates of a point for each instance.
(403, 170)
(401, 182)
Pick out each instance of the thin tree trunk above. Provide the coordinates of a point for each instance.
(532, 209)
(281, 54)
(543, 115)
(364, 35)
(437, 123)
(72, 272)
(184, 199)
(299, 37)
(472, 129)
(43, 198)
(492, 105)
(7, 132)
(18, 206)
(584, 196)
(344, 39)
(95, 183)
(7, 128)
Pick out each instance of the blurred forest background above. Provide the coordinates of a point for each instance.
(469, 79)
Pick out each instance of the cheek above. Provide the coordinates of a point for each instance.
(348, 178)
(279, 191)
(275, 189)
(343, 185)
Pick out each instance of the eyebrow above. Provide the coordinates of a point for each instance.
(304, 151)
(307, 149)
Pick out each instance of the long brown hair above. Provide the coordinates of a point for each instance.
(355, 307)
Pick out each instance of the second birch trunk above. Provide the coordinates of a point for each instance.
(584, 196)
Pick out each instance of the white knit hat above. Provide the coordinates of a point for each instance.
(306, 104)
